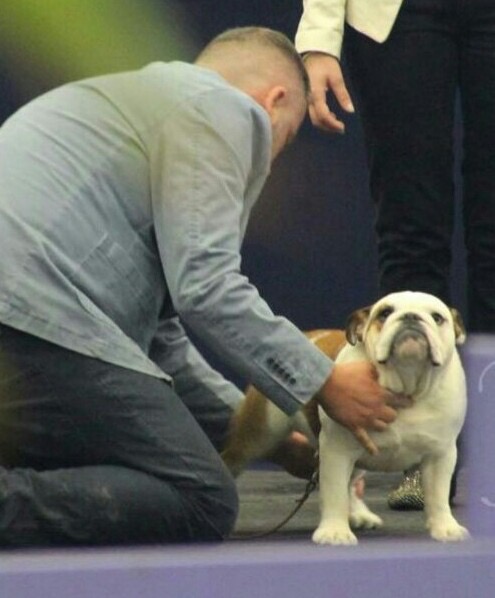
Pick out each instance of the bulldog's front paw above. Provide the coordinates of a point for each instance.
(335, 534)
(448, 531)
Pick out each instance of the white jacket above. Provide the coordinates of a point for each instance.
(322, 25)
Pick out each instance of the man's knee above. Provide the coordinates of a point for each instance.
(216, 510)
(153, 510)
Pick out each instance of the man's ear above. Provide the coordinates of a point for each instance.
(273, 98)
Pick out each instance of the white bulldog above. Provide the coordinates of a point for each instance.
(411, 339)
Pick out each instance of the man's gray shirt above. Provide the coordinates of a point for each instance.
(124, 200)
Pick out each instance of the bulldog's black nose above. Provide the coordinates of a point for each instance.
(410, 317)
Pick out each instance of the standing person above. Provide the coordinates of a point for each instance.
(408, 60)
(123, 203)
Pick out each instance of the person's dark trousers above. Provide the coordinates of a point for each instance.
(405, 91)
(92, 453)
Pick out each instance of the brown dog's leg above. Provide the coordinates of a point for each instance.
(249, 438)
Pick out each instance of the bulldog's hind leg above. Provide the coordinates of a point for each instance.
(361, 517)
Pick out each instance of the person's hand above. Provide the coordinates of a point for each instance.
(352, 397)
(325, 75)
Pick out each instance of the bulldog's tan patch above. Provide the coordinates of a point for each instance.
(459, 328)
(329, 341)
(356, 323)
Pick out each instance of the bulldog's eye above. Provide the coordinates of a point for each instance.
(384, 313)
(439, 319)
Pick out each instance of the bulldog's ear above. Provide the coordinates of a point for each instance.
(355, 325)
(459, 328)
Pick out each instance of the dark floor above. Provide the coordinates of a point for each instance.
(268, 496)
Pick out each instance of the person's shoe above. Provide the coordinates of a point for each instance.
(408, 496)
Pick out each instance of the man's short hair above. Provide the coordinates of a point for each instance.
(263, 37)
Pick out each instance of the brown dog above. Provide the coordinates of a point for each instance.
(250, 435)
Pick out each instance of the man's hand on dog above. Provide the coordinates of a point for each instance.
(352, 397)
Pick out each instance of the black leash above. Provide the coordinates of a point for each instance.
(310, 488)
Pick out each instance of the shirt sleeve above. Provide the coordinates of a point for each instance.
(321, 28)
(174, 353)
(209, 161)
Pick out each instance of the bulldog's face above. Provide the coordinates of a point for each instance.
(407, 328)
